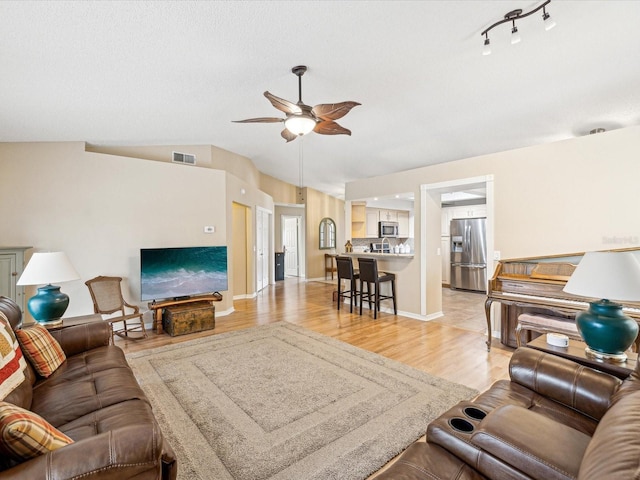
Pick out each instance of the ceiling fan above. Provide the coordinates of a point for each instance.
(301, 118)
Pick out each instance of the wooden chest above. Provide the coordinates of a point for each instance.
(189, 318)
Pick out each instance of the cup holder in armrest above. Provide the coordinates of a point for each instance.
(474, 413)
(461, 425)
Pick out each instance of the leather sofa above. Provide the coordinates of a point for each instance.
(93, 398)
(554, 419)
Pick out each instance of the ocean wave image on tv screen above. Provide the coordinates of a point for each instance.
(177, 272)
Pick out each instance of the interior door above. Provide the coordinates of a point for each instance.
(291, 226)
(262, 249)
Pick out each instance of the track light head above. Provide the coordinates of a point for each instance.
(515, 35)
(548, 21)
(486, 50)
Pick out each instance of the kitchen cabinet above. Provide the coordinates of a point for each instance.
(358, 217)
(371, 222)
(358, 212)
(11, 267)
(388, 215)
(469, 211)
(403, 224)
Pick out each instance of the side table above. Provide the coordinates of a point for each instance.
(73, 321)
(575, 351)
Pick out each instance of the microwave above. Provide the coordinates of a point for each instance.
(387, 229)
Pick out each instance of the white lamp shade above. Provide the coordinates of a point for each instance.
(48, 267)
(300, 124)
(606, 275)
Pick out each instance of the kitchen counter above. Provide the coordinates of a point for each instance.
(378, 255)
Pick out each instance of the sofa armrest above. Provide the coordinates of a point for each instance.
(584, 389)
(128, 452)
(427, 461)
(82, 338)
(532, 443)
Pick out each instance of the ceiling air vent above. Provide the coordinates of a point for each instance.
(185, 158)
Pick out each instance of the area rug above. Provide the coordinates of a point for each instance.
(282, 402)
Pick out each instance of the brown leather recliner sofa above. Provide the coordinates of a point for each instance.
(554, 419)
(93, 398)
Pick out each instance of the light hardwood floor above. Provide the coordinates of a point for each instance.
(452, 347)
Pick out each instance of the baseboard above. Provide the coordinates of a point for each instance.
(245, 296)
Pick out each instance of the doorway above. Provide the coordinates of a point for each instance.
(431, 233)
(291, 236)
(263, 222)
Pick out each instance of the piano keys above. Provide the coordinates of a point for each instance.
(534, 285)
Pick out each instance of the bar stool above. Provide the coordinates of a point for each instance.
(346, 272)
(369, 274)
(328, 265)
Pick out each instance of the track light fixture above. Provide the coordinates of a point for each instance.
(512, 16)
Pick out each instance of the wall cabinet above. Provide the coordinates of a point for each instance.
(368, 226)
(403, 224)
(358, 217)
(358, 212)
(11, 267)
(372, 223)
(470, 211)
(388, 215)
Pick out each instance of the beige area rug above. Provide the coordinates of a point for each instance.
(282, 402)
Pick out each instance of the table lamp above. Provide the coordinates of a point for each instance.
(49, 304)
(604, 327)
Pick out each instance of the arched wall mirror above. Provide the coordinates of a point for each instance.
(327, 234)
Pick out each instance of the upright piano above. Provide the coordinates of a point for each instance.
(534, 285)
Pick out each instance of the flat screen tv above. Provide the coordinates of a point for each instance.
(182, 272)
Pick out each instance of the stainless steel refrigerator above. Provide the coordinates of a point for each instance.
(468, 254)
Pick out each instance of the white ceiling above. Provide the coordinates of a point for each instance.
(153, 73)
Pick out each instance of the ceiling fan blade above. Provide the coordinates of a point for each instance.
(333, 111)
(329, 127)
(287, 135)
(260, 120)
(283, 105)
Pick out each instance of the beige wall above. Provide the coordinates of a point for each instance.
(280, 191)
(206, 156)
(101, 209)
(319, 206)
(570, 196)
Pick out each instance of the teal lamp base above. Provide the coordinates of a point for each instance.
(607, 332)
(48, 305)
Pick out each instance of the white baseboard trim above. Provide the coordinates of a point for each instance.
(245, 296)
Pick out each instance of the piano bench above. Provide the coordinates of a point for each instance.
(546, 324)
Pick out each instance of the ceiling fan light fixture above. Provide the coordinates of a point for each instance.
(300, 124)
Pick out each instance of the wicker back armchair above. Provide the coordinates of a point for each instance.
(106, 294)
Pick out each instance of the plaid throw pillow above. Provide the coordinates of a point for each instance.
(24, 435)
(41, 349)
(12, 363)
